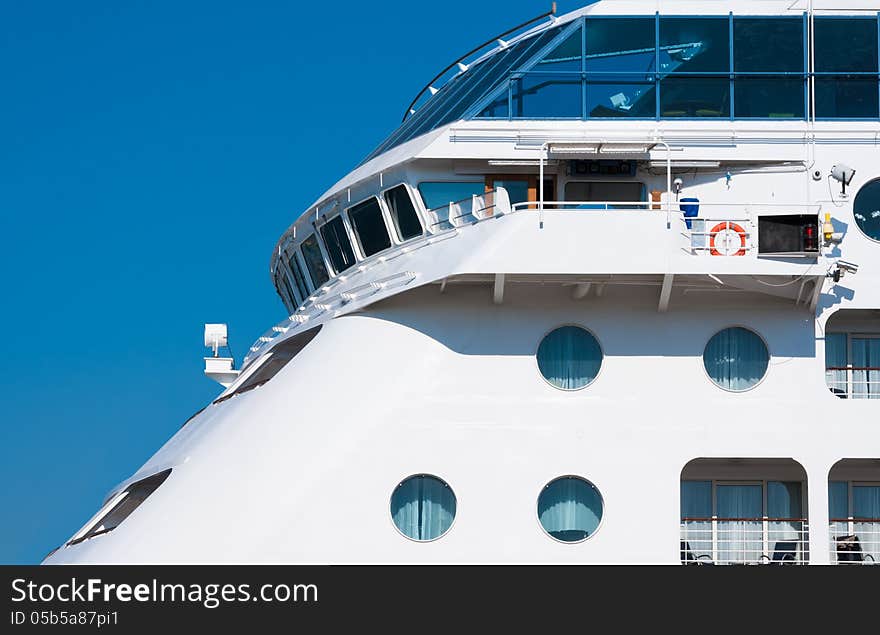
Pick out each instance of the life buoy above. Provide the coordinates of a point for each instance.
(727, 229)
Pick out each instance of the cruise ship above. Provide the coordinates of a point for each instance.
(610, 293)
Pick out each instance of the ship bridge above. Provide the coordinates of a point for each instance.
(691, 148)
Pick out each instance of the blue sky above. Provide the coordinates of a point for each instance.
(151, 153)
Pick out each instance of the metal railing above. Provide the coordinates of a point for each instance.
(855, 540)
(469, 210)
(854, 382)
(731, 541)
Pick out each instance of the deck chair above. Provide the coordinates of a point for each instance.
(688, 557)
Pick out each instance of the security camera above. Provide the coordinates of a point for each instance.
(817, 175)
(843, 174)
(849, 267)
(677, 186)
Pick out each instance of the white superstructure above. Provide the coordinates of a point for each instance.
(610, 294)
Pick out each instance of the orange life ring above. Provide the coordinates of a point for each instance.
(727, 226)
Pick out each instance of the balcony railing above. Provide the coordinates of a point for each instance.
(855, 540)
(854, 382)
(744, 541)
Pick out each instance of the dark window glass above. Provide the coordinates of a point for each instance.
(618, 97)
(694, 97)
(694, 45)
(847, 97)
(369, 226)
(696, 499)
(311, 252)
(866, 209)
(440, 193)
(135, 495)
(466, 90)
(403, 213)
(764, 45)
(497, 109)
(770, 97)
(565, 57)
(277, 358)
(621, 45)
(846, 45)
(337, 244)
(298, 278)
(282, 279)
(548, 96)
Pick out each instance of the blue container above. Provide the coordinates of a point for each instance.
(691, 209)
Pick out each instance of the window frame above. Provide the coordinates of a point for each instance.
(729, 390)
(418, 207)
(359, 253)
(324, 258)
(391, 507)
(349, 235)
(602, 510)
(601, 359)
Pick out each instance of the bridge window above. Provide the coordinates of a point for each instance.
(369, 227)
(314, 260)
(337, 244)
(403, 213)
(768, 59)
(846, 68)
(298, 278)
(437, 194)
(620, 64)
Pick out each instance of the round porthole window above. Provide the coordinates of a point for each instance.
(736, 359)
(570, 509)
(569, 357)
(423, 507)
(866, 209)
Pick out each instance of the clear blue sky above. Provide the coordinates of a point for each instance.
(151, 153)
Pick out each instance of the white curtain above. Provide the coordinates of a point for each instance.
(569, 357)
(866, 507)
(423, 507)
(785, 536)
(569, 509)
(736, 358)
(836, 357)
(740, 536)
(866, 354)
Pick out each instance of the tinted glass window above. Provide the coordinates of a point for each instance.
(695, 97)
(437, 194)
(135, 494)
(403, 213)
(565, 57)
(847, 97)
(694, 45)
(423, 507)
(548, 96)
(281, 279)
(846, 45)
(736, 359)
(765, 45)
(298, 277)
(337, 244)
(276, 359)
(369, 226)
(866, 209)
(770, 97)
(570, 509)
(311, 252)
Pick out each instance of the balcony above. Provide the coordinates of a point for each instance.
(744, 541)
(854, 511)
(744, 512)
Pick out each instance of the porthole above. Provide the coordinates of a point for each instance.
(736, 359)
(570, 509)
(569, 357)
(423, 507)
(866, 209)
